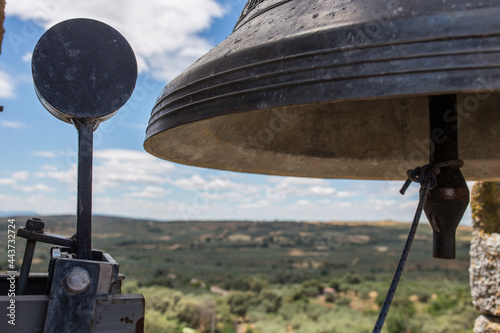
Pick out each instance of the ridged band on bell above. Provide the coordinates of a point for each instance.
(337, 89)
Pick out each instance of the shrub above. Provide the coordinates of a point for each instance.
(157, 322)
(256, 283)
(329, 298)
(343, 301)
(239, 302)
(441, 304)
(397, 322)
(352, 278)
(312, 288)
(335, 284)
(270, 301)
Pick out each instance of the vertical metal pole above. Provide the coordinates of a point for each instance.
(34, 224)
(84, 206)
(444, 128)
(447, 201)
(22, 283)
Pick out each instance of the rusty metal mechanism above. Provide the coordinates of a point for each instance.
(83, 71)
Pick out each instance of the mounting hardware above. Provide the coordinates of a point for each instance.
(77, 280)
(35, 224)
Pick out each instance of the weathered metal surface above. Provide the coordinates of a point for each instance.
(30, 313)
(37, 283)
(36, 225)
(83, 69)
(69, 311)
(448, 200)
(74, 287)
(113, 314)
(46, 237)
(336, 90)
(119, 313)
(84, 187)
(29, 251)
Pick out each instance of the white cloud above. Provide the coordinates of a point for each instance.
(136, 208)
(198, 183)
(27, 57)
(7, 181)
(113, 168)
(20, 175)
(35, 188)
(6, 85)
(44, 153)
(303, 202)
(321, 190)
(41, 203)
(286, 186)
(151, 192)
(14, 178)
(67, 176)
(163, 34)
(11, 124)
(195, 182)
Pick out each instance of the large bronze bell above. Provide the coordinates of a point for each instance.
(345, 89)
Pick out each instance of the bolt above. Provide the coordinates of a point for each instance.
(77, 280)
(35, 224)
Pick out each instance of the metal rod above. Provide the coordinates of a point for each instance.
(443, 127)
(448, 201)
(22, 283)
(84, 206)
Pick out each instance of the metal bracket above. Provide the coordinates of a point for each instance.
(74, 287)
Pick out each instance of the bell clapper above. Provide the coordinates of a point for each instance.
(444, 195)
(447, 202)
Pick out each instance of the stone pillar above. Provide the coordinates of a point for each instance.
(485, 256)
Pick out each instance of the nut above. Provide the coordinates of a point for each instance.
(35, 224)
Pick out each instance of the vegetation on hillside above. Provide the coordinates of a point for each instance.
(236, 276)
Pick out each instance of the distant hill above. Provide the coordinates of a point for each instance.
(217, 251)
(12, 213)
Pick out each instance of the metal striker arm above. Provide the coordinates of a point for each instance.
(82, 284)
(103, 74)
(84, 206)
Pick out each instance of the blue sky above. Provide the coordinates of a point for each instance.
(38, 164)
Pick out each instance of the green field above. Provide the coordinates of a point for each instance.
(275, 273)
